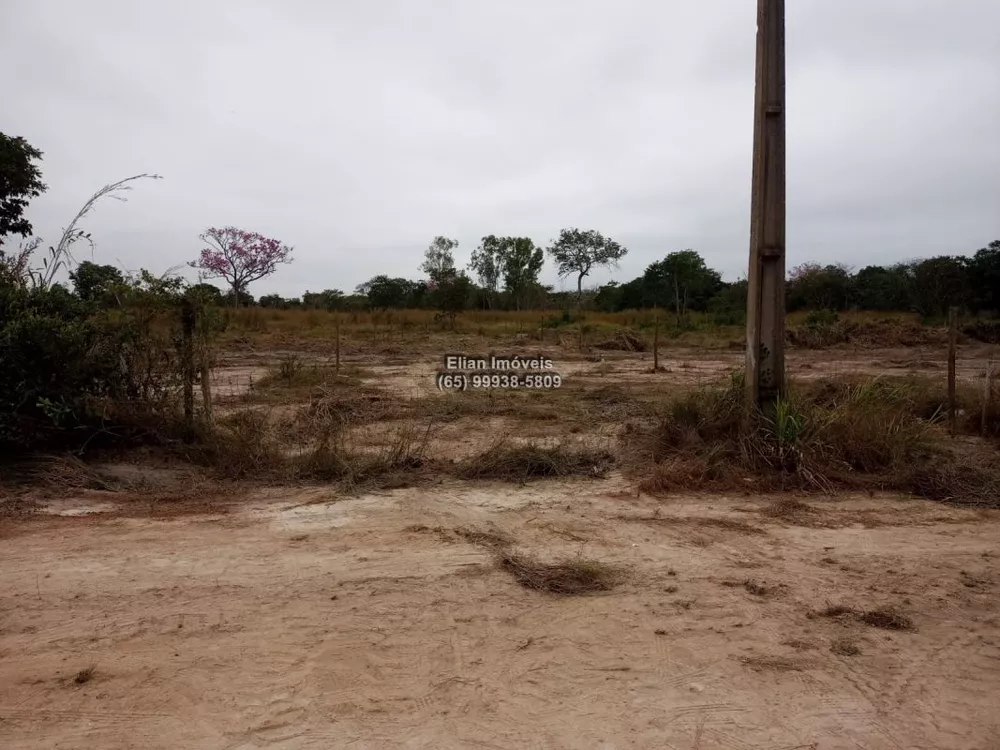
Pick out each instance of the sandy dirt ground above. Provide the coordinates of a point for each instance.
(300, 619)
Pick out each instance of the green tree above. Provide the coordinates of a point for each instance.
(384, 293)
(984, 276)
(487, 266)
(328, 299)
(451, 296)
(939, 283)
(521, 263)
(20, 180)
(815, 287)
(439, 259)
(684, 279)
(208, 294)
(96, 283)
(729, 304)
(577, 252)
(884, 288)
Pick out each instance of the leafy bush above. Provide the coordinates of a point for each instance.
(69, 365)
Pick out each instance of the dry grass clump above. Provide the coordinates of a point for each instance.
(570, 577)
(623, 341)
(575, 576)
(786, 509)
(954, 481)
(874, 433)
(241, 446)
(312, 446)
(85, 675)
(519, 462)
(820, 334)
(887, 618)
(68, 472)
(489, 538)
(845, 647)
(17, 507)
(292, 372)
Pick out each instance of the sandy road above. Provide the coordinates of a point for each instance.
(301, 620)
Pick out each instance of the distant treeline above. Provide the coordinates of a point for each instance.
(682, 282)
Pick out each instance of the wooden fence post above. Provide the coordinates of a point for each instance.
(656, 343)
(952, 338)
(987, 399)
(337, 328)
(206, 385)
(187, 360)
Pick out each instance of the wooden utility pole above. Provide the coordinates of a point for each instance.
(765, 363)
(952, 340)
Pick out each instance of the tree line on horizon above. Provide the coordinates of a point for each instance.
(681, 282)
(503, 271)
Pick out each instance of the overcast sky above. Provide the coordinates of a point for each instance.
(357, 131)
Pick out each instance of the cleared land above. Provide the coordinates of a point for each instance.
(150, 602)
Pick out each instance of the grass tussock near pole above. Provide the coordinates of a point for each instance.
(824, 435)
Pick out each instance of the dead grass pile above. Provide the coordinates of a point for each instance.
(872, 434)
(954, 481)
(987, 331)
(572, 577)
(489, 538)
(69, 473)
(787, 509)
(520, 462)
(17, 506)
(886, 618)
(569, 577)
(312, 445)
(622, 341)
(864, 334)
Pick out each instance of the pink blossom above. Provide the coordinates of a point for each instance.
(240, 257)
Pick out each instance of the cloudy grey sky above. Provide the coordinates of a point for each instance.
(357, 131)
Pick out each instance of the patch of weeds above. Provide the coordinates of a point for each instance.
(521, 462)
(786, 508)
(489, 538)
(775, 663)
(845, 647)
(757, 589)
(16, 507)
(750, 586)
(971, 581)
(886, 618)
(85, 675)
(845, 433)
(570, 577)
(955, 482)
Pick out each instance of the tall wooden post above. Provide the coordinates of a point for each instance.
(187, 360)
(337, 328)
(765, 356)
(656, 344)
(952, 340)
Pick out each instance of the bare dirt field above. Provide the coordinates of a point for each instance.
(306, 616)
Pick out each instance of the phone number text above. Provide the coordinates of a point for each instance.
(463, 381)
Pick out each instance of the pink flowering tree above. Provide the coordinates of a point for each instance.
(239, 257)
